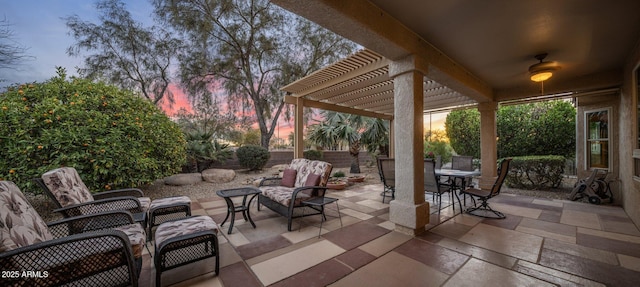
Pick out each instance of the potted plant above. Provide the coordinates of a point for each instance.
(356, 178)
(336, 183)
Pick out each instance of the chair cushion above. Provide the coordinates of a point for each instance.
(282, 195)
(136, 237)
(305, 167)
(145, 203)
(186, 226)
(173, 200)
(288, 177)
(312, 180)
(20, 224)
(66, 186)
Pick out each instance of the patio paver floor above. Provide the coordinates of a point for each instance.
(541, 243)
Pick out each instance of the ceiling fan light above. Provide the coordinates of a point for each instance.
(541, 76)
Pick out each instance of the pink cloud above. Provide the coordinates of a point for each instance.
(180, 100)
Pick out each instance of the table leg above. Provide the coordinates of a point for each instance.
(232, 210)
(246, 209)
(228, 211)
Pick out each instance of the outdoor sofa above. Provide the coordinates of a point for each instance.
(302, 180)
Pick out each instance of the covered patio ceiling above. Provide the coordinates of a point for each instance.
(472, 51)
(360, 84)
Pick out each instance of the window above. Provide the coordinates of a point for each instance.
(597, 149)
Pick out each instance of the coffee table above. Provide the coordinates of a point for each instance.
(227, 194)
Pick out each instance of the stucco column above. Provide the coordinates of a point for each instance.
(298, 135)
(408, 211)
(392, 144)
(488, 144)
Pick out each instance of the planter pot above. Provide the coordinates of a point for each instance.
(336, 185)
(356, 178)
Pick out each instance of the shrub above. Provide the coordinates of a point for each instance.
(536, 172)
(111, 136)
(252, 157)
(203, 150)
(313, 154)
(338, 174)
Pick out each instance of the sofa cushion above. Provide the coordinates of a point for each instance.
(20, 224)
(305, 167)
(66, 186)
(282, 195)
(288, 177)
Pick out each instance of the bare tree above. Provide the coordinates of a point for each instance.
(12, 53)
(124, 52)
(252, 48)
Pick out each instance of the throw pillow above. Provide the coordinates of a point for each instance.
(312, 180)
(288, 177)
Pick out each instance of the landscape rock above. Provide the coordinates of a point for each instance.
(218, 175)
(183, 179)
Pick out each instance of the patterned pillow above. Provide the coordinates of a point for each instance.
(66, 186)
(288, 177)
(20, 224)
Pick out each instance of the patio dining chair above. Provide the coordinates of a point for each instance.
(72, 198)
(72, 251)
(484, 210)
(387, 170)
(434, 186)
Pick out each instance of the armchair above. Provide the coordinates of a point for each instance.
(95, 250)
(72, 197)
(484, 210)
(387, 171)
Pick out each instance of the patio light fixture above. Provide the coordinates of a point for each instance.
(543, 70)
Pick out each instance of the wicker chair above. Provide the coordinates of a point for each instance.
(92, 250)
(309, 180)
(72, 198)
(485, 195)
(387, 171)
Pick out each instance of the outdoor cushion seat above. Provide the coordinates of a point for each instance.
(136, 237)
(285, 195)
(166, 209)
(282, 195)
(90, 250)
(183, 241)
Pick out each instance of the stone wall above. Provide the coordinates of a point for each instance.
(338, 159)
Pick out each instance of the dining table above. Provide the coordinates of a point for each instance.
(457, 174)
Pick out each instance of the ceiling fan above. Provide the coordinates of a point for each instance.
(543, 70)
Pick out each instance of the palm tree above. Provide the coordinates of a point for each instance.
(338, 128)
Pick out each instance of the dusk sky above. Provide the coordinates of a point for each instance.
(38, 26)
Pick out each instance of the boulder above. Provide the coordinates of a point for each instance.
(183, 179)
(276, 170)
(217, 175)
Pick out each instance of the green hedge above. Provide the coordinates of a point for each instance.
(536, 172)
(312, 154)
(111, 136)
(252, 157)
